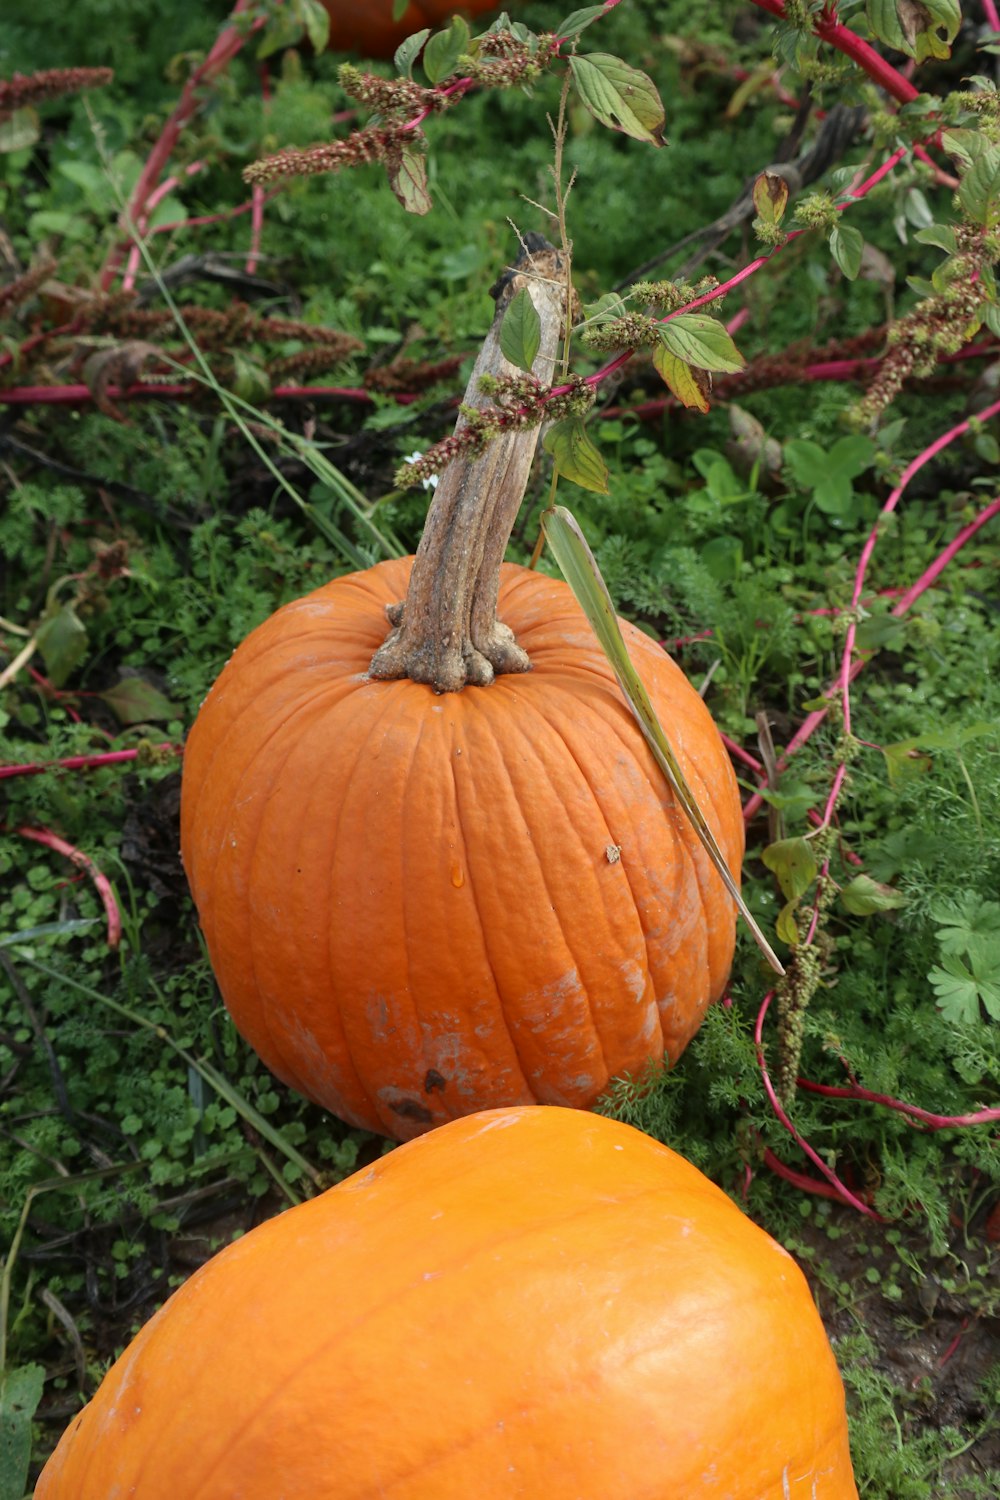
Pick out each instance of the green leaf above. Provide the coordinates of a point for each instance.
(575, 454)
(579, 568)
(521, 331)
(251, 381)
(62, 640)
(607, 309)
(979, 190)
(701, 340)
(409, 180)
(691, 387)
(442, 52)
(408, 51)
(399, 9)
(968, 924)
(136, 701)
(966, 146)
(960, 989)
(942, 236)
(20, 1393)
(862, 896)
(620, 96)
(19, 130)
(316, 19)
(46, 930)
(284, 29)
(794, 864)
(909, 757)
(847, 247)
(579, 20)
(786, 926)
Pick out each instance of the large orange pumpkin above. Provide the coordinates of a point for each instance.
(532, 1303)
(367, 26)
(418, 904)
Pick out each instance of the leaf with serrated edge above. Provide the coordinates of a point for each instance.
(521, 331)
(620, 96)
(579, 567)
(700, 340)
(575, 455)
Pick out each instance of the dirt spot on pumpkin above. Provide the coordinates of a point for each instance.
(434, 1080)
(411, 1109)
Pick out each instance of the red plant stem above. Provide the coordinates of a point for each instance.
(942, 561)
(941, 177)
(256, 228)
(843, 1192)
(85, 762)
(227, 45)
(952, 1347)
(738, 753)
(927, 1117)
(142, 227)
(83, 862)
(829, 29)
(801, 1180)
(991, 14)
(79, 395)
(851, 665)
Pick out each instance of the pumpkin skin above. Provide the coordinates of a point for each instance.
(526, 1303)
(408, 898)
(366, 26)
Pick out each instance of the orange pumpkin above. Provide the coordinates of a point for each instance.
(531, 1303)
(418, 905)
(367, 26)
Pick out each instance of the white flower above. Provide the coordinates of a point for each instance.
(426, 484)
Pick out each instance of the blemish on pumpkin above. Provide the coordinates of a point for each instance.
(457, 877)
(411, 1109)
(434, 1080)
(613, 854)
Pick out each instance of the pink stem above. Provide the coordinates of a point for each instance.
(931, 1120)
(738, 752)
(83, 862)
(844, 1192)
(801, 1180)
(79, 395)
(939, 564)
(227, 45)
(850, 665)
(941, 177)
(991, 14)
(84, 762)
(256, 228)
(829, 29)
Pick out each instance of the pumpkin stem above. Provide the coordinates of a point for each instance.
(446, 633)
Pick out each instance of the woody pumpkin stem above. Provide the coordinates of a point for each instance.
(446, 632)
